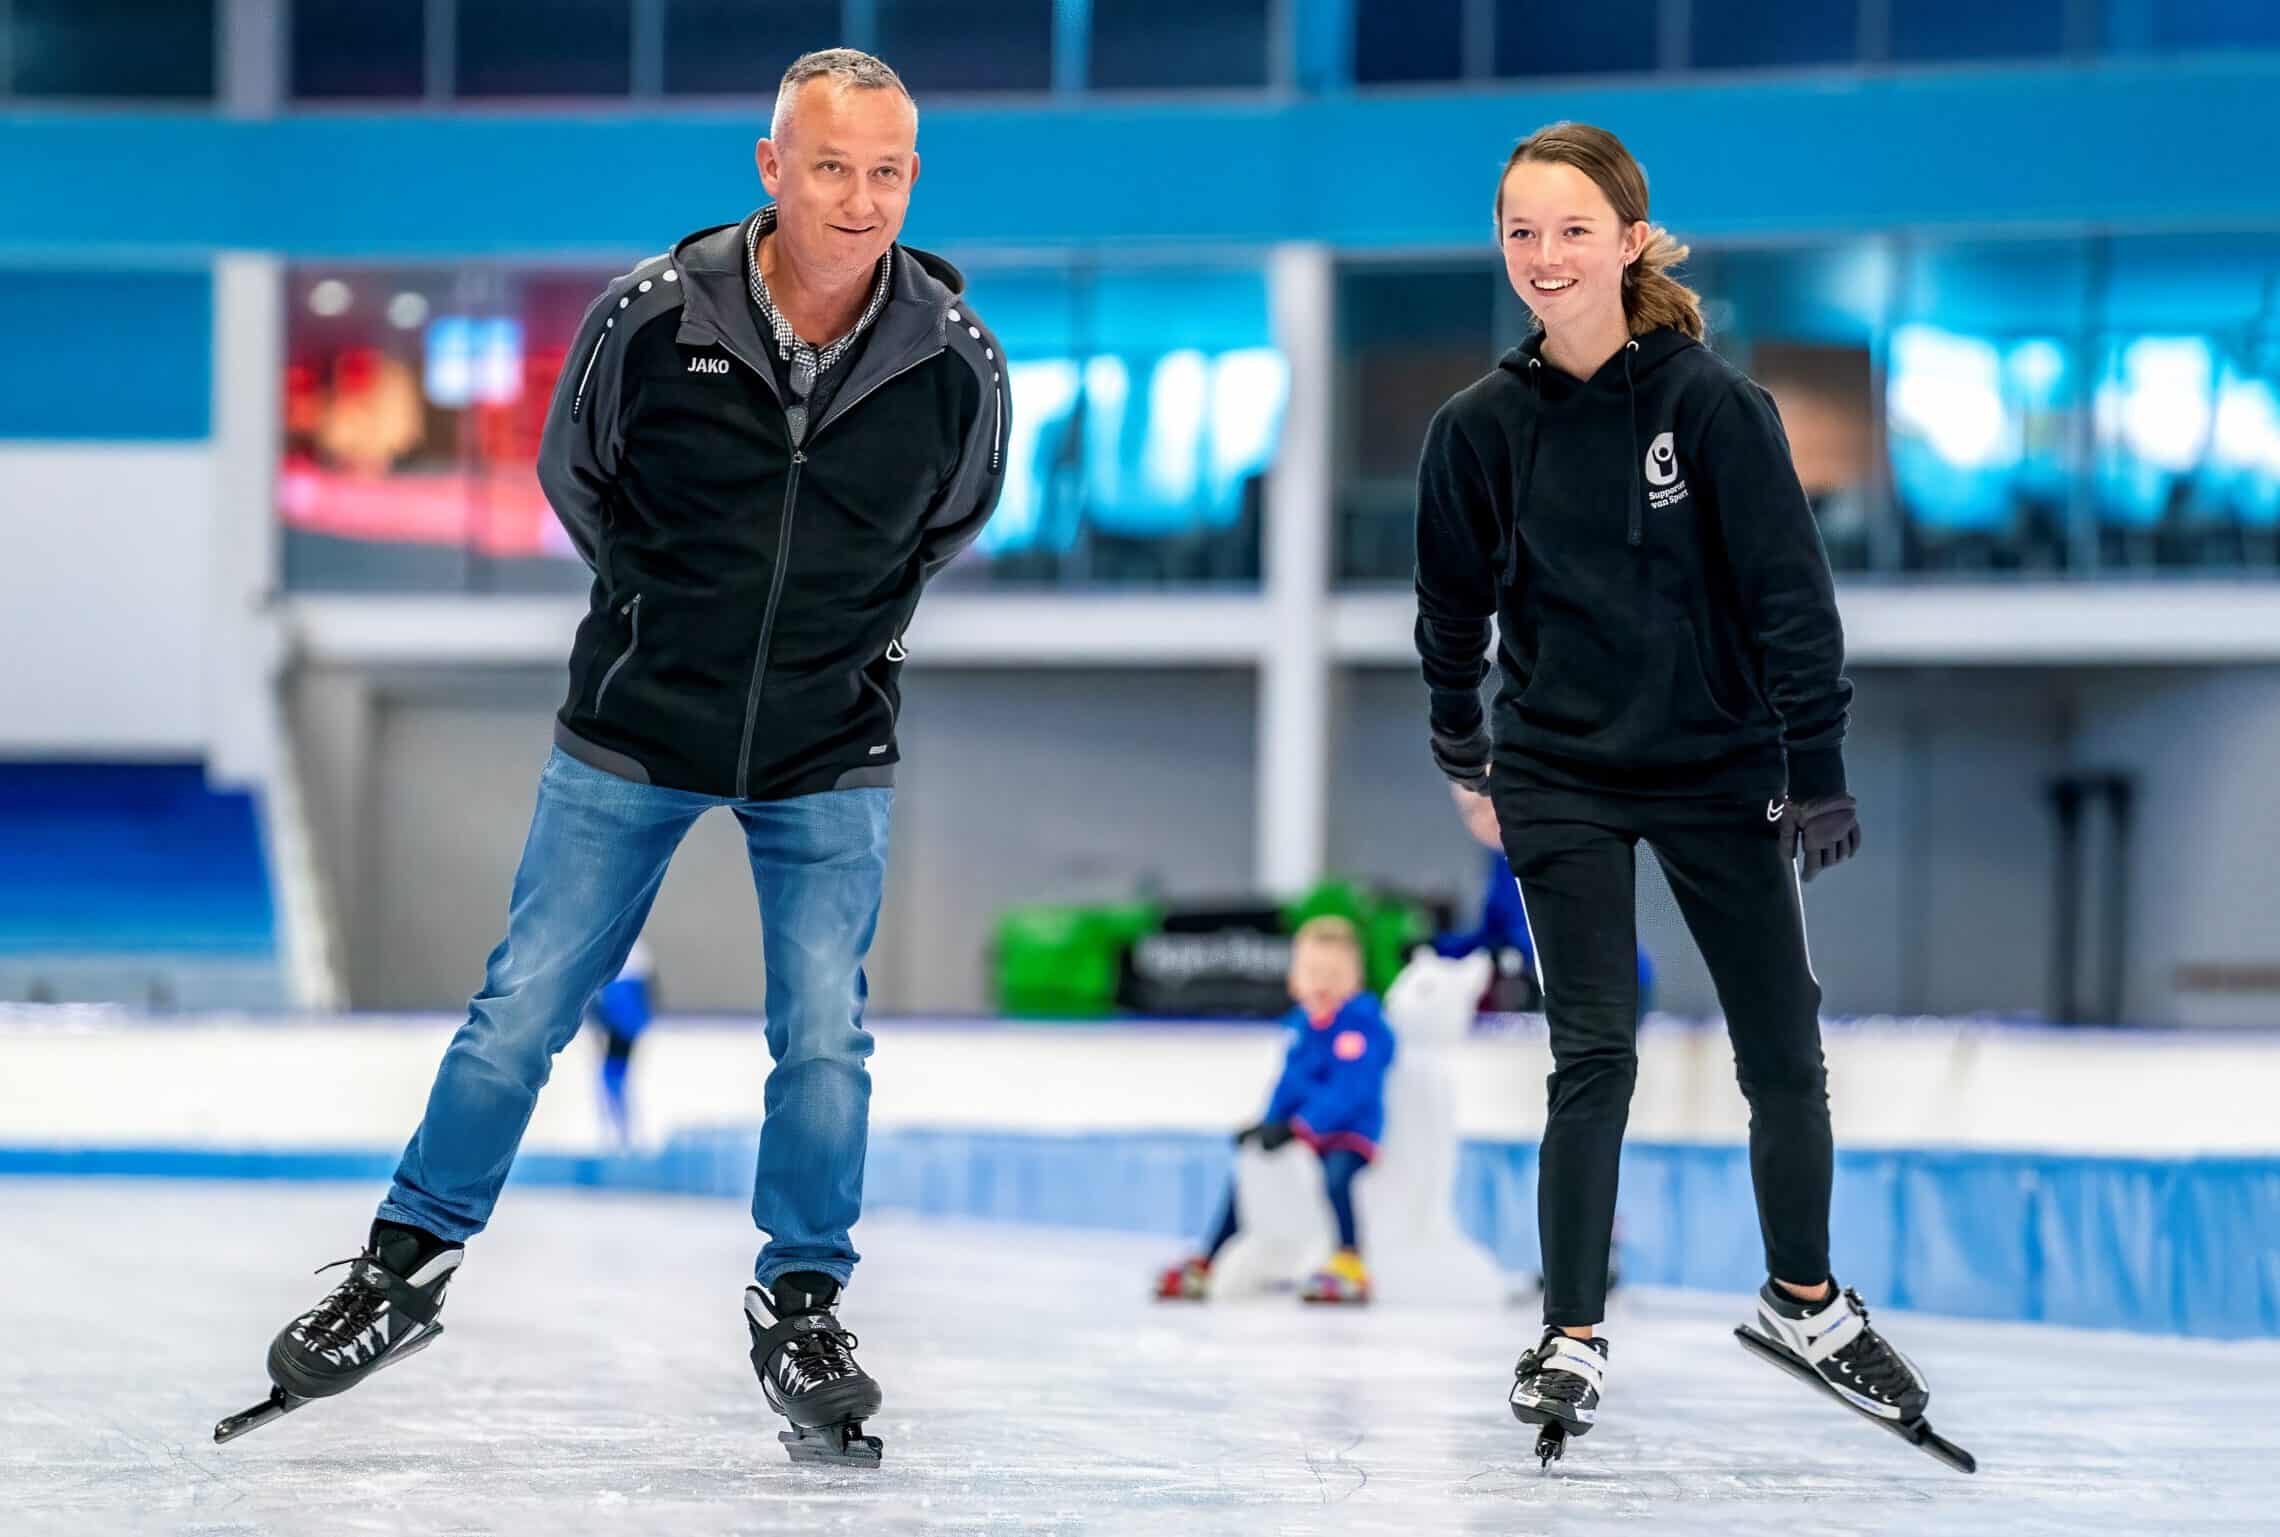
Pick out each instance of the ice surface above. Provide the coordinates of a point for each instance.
(593, 1378)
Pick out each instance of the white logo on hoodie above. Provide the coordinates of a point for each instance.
(1662, 472)
(1662, 459)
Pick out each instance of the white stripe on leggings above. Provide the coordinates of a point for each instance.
(1804, 934)
(1535, 940)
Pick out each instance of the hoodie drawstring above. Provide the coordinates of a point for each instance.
(1535, 379)
(1634, 533)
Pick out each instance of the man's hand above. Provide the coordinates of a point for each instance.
(1269, 1135)
(1823, 832)
(1478, 813)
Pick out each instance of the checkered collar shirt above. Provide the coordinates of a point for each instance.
(789, 346)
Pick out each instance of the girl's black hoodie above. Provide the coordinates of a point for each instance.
(1667, 624)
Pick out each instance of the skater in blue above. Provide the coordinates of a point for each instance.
(621, 1011)
(1503, 925)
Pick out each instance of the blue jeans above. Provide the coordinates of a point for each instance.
(596, 855)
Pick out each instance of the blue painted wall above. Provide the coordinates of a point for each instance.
(105, 353)
(2137, 145)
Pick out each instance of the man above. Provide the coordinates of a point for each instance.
(763, 443)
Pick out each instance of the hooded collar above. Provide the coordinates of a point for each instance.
(1620, 374)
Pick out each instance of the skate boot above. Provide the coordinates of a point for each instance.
(1832, 1337)
(1556, 1388)
(384, 1311)
(1829, 1344)
(1345, 1279)
(806, 1363)
(1188, 1281)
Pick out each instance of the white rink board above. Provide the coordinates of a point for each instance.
(96, 1079)
(593, 1379)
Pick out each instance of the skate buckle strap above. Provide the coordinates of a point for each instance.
(784, 1331)
(1576, 1357)
(1829, 1330)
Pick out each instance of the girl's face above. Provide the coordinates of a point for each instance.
(1564, 247)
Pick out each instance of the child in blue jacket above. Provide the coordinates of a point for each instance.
(1331, 1096)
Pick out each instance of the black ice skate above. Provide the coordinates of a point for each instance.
(1830, 1345)
(383, 1312)
(1556, 1388)
(807, 1368)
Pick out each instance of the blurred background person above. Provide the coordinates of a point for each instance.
(619, 1014)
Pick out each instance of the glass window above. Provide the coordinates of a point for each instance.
(112, 47)
(359, 48)
(545, 48)
(414, 398)
(1577, 37)
(1803, 322)
(1984, 393)
(1409, 337)
(1398, 40)
(736, 48)
(2181, 26)
(1141, 44)
(977, 45)
(2185, 407)
(1759, 34)
(1147, 406)
(1931, 30)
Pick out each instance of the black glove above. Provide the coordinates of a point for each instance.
(1268, 1134)
(1825, 832)
(1464, 759)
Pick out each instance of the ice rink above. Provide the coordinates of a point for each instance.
(593, 1378)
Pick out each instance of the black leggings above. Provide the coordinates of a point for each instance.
(1339, 1167)
(1573, 857)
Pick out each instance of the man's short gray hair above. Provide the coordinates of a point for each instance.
(848, 66)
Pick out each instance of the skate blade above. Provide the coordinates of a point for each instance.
(1917, 1433)
(282, 1402)
(843, 1446)
(276, 1406)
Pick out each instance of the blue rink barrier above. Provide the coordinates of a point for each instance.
(2185, 1246)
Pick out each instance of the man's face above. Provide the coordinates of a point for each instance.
(1323, 976)
(841, 175)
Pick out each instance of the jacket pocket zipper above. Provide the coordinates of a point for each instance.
(895, 653)
(632, 611)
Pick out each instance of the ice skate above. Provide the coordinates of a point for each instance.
(1829, 1344)
(1187, 1281)
(384, 1311)
(1344, 1279)
(1556, 1388)
(806, 1363)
